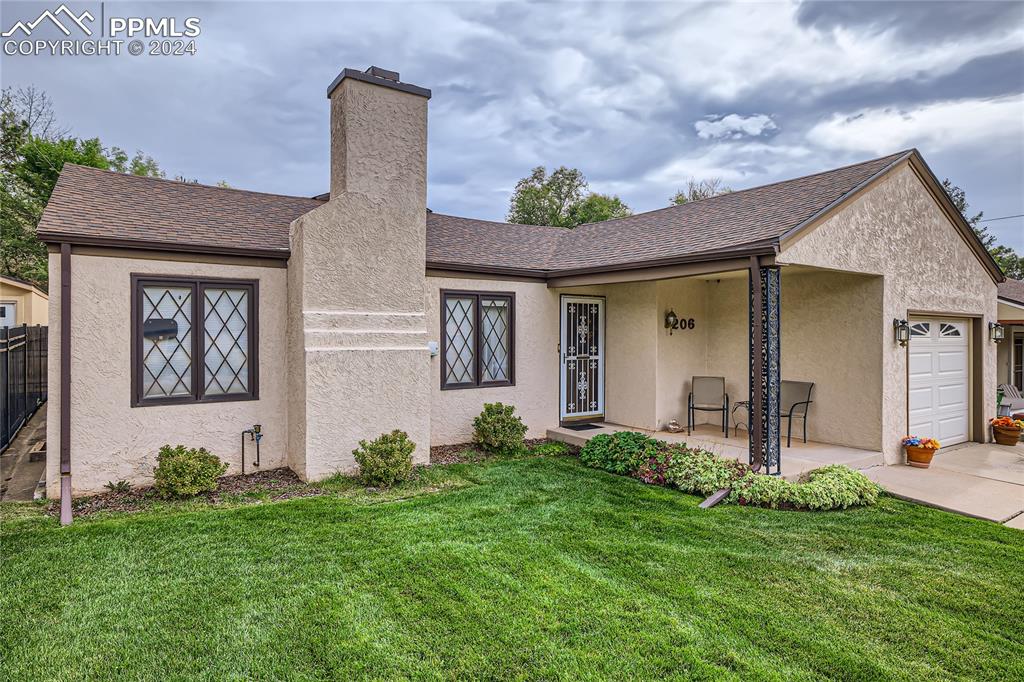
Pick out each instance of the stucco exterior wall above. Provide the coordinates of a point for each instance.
(897, 230)
(111, 440)
(683, 353)
(829, 336)
(535, 394)
(631, 365)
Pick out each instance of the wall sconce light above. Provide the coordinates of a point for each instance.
(902, 331)
(996, 331)
(671, 321)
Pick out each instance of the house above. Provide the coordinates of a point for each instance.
(190, 313)
(1011, 315)
(22, 302)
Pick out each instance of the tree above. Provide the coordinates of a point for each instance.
(561, 199)
(1009, 261)
(697, 190)
(33, 150)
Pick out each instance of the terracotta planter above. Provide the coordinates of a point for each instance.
(919, 457)
(1005, 436)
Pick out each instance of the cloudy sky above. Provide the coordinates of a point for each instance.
(640, 96)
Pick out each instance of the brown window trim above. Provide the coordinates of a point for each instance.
(198, 284)
(478, 335)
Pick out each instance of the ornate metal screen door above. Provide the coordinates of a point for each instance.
(582, 358)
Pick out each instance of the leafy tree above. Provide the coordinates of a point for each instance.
(561, 199)
(699, 189)
(33, 150)
(1009, 261)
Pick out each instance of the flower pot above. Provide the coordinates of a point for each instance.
(919, 457)
(1005, 436)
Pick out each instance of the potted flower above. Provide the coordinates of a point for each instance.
(920, 451)
(1006, 430)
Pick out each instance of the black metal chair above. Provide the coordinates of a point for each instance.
(794, 400)
(707, 394)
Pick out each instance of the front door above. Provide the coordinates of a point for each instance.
(582, 358)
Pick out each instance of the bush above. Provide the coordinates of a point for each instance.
(119, 486)
(831, 487)
(385, 461)
(623, 452)
(654, 470)
(551, 449)
(186, 472)
(499, 431)
(699, 471)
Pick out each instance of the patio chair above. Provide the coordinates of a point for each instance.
(794, 399)
(707, 394)
(1012, 400)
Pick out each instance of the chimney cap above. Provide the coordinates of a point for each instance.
(378, 76)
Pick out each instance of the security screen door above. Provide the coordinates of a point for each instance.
(581, 384)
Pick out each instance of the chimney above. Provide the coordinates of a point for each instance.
(358, 357)
(378, 136)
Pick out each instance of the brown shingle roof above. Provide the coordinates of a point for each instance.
(90, 204)
(1012, 290)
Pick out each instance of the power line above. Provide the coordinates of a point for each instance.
(1005, 217)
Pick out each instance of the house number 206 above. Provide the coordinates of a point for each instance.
(683, 324)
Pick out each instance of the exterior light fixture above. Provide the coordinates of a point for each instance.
(671, 321)
(902, 331)
(996, 331)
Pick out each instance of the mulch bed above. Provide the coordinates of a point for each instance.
(279, 484)
(468, 452)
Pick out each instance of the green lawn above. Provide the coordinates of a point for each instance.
(531, 568)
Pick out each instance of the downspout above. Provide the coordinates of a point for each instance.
(65, 384)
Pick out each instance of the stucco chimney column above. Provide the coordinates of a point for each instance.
(357, 349)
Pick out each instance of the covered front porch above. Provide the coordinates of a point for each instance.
(752, 325)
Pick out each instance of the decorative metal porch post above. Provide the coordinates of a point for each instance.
(765, 446)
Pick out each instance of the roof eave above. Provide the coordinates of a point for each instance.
(49, 237)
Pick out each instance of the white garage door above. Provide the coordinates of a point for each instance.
(938, 392)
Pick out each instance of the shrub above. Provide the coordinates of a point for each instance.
(186, 472)
(654, 469)
(120, 486)
(623, 452)
(831, 487)
(699, 471)
(385, 461)
(551, 449)
(499, 431)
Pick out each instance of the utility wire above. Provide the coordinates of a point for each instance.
(1005, 217)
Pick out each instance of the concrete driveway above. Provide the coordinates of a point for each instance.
(981, 480)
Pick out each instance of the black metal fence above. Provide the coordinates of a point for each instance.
(22, 377)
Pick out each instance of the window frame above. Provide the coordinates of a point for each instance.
(198, 345)
(509, 296)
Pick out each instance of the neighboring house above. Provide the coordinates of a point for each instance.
(22, 302)
(195, 312)
(1011, 316)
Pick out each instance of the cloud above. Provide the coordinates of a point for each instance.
(615, 92)
(936, 127)
(734, 126)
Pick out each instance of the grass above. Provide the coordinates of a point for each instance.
(524, 568)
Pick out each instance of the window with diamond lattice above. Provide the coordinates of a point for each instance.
(477, 331)
(193, 340)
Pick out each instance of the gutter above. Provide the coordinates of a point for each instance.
(167, 247)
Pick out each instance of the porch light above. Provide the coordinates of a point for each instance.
(671, 321)
(902, 330)
(996, 331)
